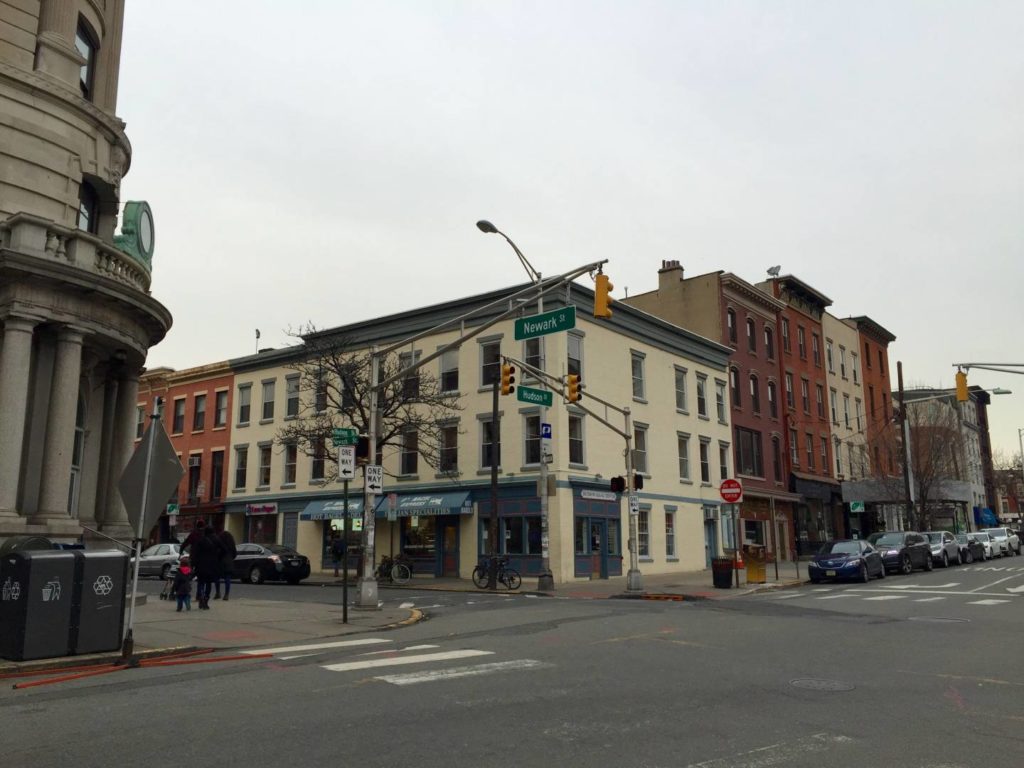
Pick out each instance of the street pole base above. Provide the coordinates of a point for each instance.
(546, 582)
(633, 581)
(366, 599)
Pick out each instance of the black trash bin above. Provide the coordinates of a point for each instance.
(36, 595)
(721, 572)
(98, 615)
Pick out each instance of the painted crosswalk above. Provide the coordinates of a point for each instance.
(425, 654)
(916, 593)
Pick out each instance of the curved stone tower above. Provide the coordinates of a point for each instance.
(76, 314)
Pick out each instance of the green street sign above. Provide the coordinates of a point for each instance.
(534, 396)
(856, 506)
(344, 436)
(549, 322)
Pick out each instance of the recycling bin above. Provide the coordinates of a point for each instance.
(36, 596)
(97, 618)
(721, 572)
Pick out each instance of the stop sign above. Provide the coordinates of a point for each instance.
(731, 491)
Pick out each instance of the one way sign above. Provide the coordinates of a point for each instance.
(374, 478)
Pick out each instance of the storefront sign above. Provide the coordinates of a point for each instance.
(269, 508)
(856, 506)
(588, 493)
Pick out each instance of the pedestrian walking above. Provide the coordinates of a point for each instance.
(205, 560)
(193, 536)
(337, 550)
(183, 585)
(227, 552)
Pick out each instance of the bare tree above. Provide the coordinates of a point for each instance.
(334, 384)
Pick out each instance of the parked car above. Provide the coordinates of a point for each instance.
(158, 560)
(945, 549)
(1007, 541)
(986, 542)
(971, 548)
(846, 559)
(257, 563)
(904, 551)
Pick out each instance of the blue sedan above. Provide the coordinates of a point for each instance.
(846, 559)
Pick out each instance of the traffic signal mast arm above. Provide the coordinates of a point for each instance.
(963, 368)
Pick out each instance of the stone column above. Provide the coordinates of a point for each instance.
(56, 54)
(103, 479)
(121, 449)
(109, 64)
(60, 426)
(15, 370)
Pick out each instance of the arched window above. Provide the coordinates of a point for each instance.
(773, 400)
(751, 335)
(730, 319)
(755, 394)
(769, 343)
(734, 385)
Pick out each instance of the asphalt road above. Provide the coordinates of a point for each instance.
(801, 677)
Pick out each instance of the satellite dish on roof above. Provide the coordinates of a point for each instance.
(774, 271)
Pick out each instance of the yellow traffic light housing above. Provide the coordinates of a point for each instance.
(573, 383)
(602, 287)
(508, 379)
(961, 387)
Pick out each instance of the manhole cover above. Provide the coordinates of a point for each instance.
(938, 619)
(817, 684)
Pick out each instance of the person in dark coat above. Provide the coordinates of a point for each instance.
(206, 562)
(194, 535)
(227, 552)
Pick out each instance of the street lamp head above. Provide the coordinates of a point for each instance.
(485, 226)
(1001, 391)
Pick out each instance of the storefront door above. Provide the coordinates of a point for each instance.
(710, 542)
(449, 555)
(599, 547)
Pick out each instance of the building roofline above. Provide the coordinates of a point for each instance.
(866, 325)
(737, 283)
(795, 283)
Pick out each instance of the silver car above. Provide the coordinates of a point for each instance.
(1006, 540)
(944, 548)
(158, 560)
(986, 542)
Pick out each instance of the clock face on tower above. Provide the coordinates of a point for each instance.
(138, 235)
(146, 231)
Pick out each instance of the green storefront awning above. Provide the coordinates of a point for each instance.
(428, 504)
(332, 509)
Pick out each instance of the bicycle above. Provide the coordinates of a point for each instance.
(394, 570)
(507, 575)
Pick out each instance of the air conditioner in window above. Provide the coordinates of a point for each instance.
(195, 461)
(709, 513)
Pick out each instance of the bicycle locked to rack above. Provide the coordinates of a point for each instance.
(507, 575)
(397, 570)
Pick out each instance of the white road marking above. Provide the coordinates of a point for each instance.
(1015, 589)
(929, 592)
(407, 605)
(928, 599)
(786, 597)
(433, 675)
(402, 660)
(782, 753)
(1007, 578)
(301, 656)
(400, 650)
(822, 589)
(834, 597)
(886, 597)
(986, 602)
(317, 646)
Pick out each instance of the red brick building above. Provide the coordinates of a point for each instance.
(196, 414)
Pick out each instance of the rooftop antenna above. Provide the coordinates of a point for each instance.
(257, 341)
(774, 271)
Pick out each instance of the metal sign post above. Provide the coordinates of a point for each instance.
(344, 561)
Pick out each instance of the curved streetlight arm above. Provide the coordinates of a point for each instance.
(485, 226)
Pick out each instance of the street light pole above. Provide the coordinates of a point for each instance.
(545, 580)
(908, 480)
(1020, 439)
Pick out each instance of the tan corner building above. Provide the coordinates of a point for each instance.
(76, 314)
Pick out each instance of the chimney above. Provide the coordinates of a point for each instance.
(669, 273)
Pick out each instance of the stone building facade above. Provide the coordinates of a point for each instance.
(76, 314)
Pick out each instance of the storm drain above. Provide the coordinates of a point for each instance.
(817, 684)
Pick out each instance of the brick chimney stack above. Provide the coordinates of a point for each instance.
(670, 272)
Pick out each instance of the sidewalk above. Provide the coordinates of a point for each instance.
(690, 585)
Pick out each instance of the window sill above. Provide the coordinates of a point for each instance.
(645, 559)
(198, 431)
(703, 417)
(267, 421)
(262, 488)
(242, 425)
(487, 471)
(641, 400)
(581, 467)
(408, 477)
(177, 434)
(705, 485)
(683, 411)
(724, 422)
(685, 481)
(219, 427)
(447, 474)
(287, 486)
(291, 418)
(671, 559)
(238, 490)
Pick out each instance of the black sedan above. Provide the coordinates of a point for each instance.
(904, 551)
(970, 548)
(257, 563)
(846, 559)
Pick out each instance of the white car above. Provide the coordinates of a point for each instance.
(1006, 540)
(986, 542)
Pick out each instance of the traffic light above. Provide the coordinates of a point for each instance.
(961, 387)
(508, 379)
(638, 482)
(363, 450)
(618, 484)
(573, 382)
(602, 288)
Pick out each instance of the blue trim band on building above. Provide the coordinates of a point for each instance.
(428, 504)
(332, 509)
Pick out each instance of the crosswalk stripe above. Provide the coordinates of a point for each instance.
(433, 675)
(886, 597)
(402, 660)
(400, 650)
(317, 646)
(928, 599)
(986, 602)
(834, 597)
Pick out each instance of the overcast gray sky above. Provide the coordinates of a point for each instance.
(326, 161)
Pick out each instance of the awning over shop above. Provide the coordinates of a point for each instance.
(332, 509)
(428, 504)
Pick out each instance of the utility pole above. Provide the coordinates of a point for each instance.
(633, 580)
(908, 477)
(492, 523)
